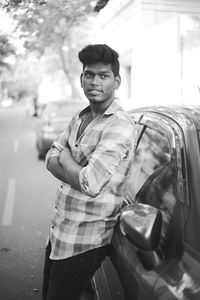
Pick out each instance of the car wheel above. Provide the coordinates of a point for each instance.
(41, 156)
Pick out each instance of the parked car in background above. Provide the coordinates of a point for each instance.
(155, 250)
(52, 121)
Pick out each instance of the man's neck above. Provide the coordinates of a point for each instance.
(98, 109)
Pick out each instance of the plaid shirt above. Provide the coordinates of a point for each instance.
(84, 220)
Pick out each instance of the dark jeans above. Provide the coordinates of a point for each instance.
(66, 279)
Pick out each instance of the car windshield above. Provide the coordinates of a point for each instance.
(62, 109)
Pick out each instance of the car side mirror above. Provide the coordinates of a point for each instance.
(141, 224)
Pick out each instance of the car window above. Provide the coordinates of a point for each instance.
(152, 152)
(154, 177)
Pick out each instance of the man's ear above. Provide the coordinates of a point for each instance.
(117, 82)
(81, 76)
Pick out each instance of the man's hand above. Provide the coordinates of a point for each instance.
(64, 168)
(65, 156)
(55, 167)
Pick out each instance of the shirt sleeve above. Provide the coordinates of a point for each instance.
(115, 144)
(60, 143)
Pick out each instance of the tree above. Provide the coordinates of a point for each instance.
(6, 49)
(24, 79)
(57, 25)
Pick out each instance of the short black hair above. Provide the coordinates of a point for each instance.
(99, 53)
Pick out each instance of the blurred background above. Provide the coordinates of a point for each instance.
(158, 42)
(159, 46)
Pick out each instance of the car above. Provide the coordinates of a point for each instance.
(155, 248)
(52, 121)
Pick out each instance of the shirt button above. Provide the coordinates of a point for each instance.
(76, 145)
(55, 207)
(52, 227)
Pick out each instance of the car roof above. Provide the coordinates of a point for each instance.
(186, 116)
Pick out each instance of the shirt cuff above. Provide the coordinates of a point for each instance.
(88, 189)
(58, 146)
(53, 152)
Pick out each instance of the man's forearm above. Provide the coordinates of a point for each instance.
(71, 168)
(55, 168)
(67, 171)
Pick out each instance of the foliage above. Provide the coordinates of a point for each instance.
(22, 80)
(49, 25)
(57, 25)
(6, 49)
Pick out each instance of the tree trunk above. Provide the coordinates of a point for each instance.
(69, 74)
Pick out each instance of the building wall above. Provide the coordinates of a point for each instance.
(150, 37)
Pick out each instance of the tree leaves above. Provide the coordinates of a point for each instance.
(6, 49)
(60, 26)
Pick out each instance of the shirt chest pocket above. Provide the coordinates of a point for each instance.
(86, 145)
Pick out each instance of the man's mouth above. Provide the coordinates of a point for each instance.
(94, 92)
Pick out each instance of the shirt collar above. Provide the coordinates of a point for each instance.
(112, 109)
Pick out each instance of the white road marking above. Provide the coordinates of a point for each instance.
(9, 205)
(16, 146)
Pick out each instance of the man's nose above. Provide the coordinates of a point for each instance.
(95, 79)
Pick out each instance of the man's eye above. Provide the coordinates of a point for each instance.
(103, 76)
(87, 75)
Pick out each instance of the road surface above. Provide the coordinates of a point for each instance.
(27, 192)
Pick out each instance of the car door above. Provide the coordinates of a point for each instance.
(153, 151)
(181, 277)
(158, 179)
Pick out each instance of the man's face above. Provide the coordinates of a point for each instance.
(99, 82)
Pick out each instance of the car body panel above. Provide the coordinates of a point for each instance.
(179, 281)
(102, 291)
(178, 274)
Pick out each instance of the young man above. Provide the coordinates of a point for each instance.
(92, 159)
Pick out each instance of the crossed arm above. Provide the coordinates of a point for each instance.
(64, 168)
(103, 163)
